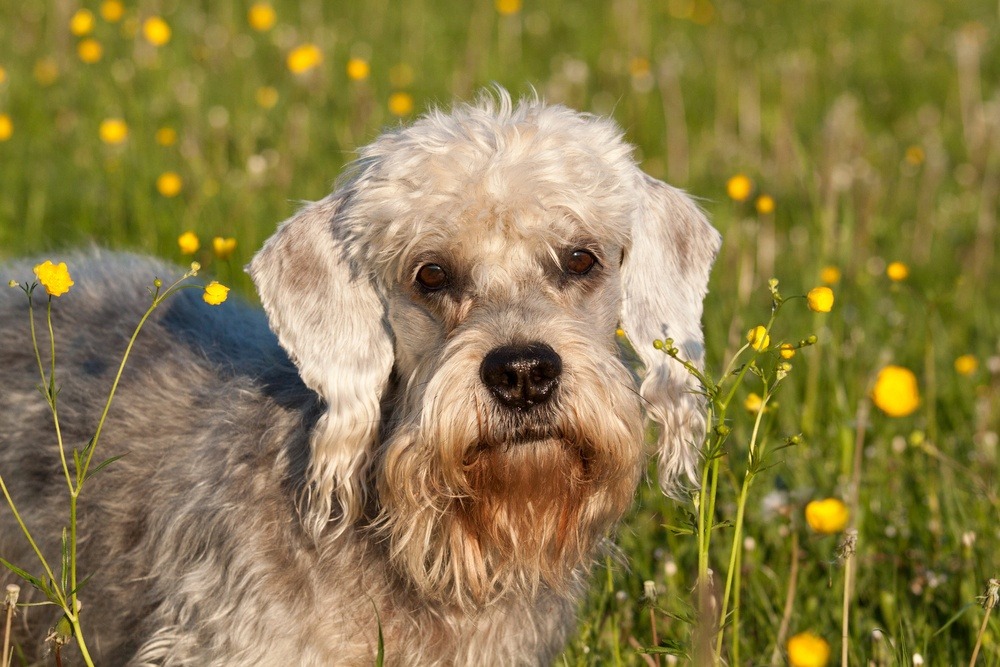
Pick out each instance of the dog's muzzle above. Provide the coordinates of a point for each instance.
(521, 377)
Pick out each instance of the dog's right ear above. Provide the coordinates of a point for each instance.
(330, 317)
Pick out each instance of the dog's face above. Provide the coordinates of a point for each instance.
(455, 304)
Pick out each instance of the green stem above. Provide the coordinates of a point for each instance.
(740, 512)
(81, 644)
(31, 540)
(157, 300)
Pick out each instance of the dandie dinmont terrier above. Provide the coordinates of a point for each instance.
(431, 433)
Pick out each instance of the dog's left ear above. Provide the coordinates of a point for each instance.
(330, 316)
(664, 280)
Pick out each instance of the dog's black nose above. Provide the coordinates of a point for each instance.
(521, 376)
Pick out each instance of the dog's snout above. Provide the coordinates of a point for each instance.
(521, 376)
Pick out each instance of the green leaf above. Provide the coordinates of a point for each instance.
(667, 647)
(33, 580)
(104, 464)
(80, 585)
(65, 566)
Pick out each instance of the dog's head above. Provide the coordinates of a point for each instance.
(455, 304)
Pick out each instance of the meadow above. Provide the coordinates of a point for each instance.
(852, 144)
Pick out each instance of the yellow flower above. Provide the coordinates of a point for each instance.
(54, 278)
(89, 50)
(215, 293)
(765, 204)
(112, 11)
(189, 243)
(820, 299)
(897, 271)
(166, 136)
(638, 66)
(169, 184)
(787, 350)
(829, 275)
(895, 391)
(915, 155)
(758, 338)
(753, 403)
(6, 127)
(46, 71)
(261, 16)
(82, 22)
(508, 7)
(156, 31)
(827, 516)
(223, 247)
(739, 187)
(304, 58)
(358, 69)
(400, 104)
(807, 650)
(966, 364)
(113, 131)
(267, 97)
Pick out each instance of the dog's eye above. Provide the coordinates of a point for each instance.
(580, 262)
(432, 277)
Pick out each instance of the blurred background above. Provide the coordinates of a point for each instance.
(854, 143)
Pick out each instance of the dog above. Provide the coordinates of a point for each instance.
(427, 436)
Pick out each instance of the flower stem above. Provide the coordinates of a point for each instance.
(754, 457)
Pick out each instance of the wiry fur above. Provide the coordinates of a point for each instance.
(273, 498)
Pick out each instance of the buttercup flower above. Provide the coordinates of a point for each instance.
(112, 11)
(223, 247)
(508, 7)
(6, 127)
(758, 338)
(765, 204)
(966, 364)
(753, 403)
(156, 31)
(787, 350)
(261, 16)
(81, 23)
(915, 155)
(895, 391)
(358, 69)
(46, 71)
(215, 293)
(169, 184)
(829, 275)
(827, 516)
(89, 51)
(54, 278)
(189, 243)
(267, 97)
(808, 650)
(304, 58)
(400, 104)
(166, 136)
(897, 271)
(113, 131)
(820, 299)
(739, 187)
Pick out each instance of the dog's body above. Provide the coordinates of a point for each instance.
(439, 445)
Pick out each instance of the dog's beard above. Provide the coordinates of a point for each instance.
(474, 509)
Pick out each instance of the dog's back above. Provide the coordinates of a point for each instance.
(205, 398)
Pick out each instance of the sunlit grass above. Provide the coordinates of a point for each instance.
(854, 144)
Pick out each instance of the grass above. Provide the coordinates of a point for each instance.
(874, 126)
